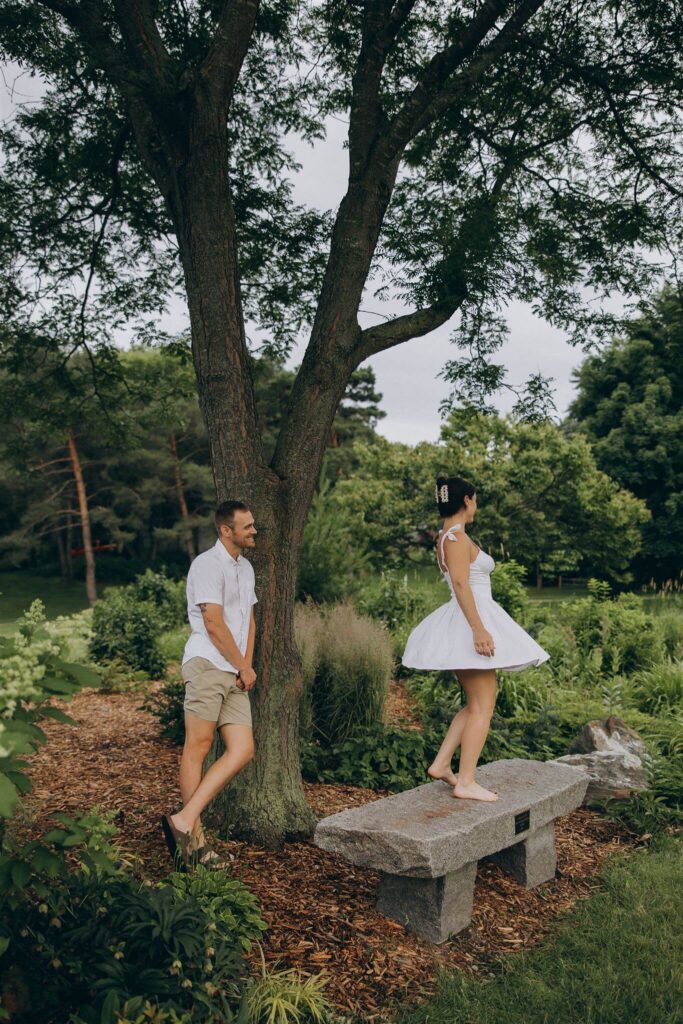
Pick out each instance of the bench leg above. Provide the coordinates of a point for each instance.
(531, 861)
(432, 908)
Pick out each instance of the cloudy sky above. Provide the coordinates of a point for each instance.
(407, 376)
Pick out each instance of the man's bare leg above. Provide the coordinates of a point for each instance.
(239, 750)
(199, 736)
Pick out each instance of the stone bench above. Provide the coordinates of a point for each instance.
(425, 843)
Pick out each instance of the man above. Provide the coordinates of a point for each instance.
(218, 676)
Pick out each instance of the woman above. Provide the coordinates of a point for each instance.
(470, 634)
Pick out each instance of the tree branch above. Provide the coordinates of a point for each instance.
(438, 87)
(403, 328)
(222, 64)
(86, 19)
(141, 36)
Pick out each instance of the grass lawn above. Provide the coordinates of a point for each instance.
(616, 958)
(18, 589)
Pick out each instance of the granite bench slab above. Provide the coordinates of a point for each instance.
(426, 844)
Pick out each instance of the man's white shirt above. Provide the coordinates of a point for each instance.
(215, 577)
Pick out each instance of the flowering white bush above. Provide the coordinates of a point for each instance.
(32, 672)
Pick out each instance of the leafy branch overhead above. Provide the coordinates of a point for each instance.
(497, 151)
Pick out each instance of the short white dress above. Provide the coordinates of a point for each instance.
(443, 640)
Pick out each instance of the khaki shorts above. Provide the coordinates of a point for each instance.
(212, 694)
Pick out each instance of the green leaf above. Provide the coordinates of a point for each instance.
(53, 684)
(21, 874)
(83, 675)
(46, 861)
(21, 781)
(58, 715)
(4, 944)
(8, 796)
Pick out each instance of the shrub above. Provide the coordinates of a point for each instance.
(382, 757)
(167, 704)
(670, 622)
(72, 633)
(507, 587)
(353, 674)
(33, 672)
(632, 638)
(128, 631)
(167, 596)
(105, 945)
(392, 601)
(225, 900)
(309, 630)
(659, 690)
(286, 997)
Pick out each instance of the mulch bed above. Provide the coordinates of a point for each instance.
(320, 909)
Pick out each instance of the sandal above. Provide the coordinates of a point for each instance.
(209, 858)
(178, 843)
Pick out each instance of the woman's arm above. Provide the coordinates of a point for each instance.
(457, 555)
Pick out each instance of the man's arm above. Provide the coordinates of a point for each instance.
(222, 638)
(249, 656)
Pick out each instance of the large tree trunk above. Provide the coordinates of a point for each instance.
(266, 803)
(84, 514)
(182, 503)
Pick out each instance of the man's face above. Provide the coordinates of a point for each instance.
(242, 532)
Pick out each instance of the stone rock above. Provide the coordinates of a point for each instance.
(611, 734)
(615, 774)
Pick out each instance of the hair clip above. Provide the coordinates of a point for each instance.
(442, 494)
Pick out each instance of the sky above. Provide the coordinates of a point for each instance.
(408, 375)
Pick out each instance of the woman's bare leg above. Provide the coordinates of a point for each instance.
(480, 687)
(440, 768)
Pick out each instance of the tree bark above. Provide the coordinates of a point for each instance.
(266, 803)
(182, 503)
(84, 514)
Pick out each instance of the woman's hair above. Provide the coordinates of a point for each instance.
(450, 494)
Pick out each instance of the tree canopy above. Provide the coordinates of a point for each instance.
(630, 405)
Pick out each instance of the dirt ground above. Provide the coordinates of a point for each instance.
(320, 909)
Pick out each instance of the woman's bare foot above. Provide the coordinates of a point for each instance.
(436, 772)
(473, 791)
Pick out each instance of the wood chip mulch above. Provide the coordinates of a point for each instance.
(320, 909)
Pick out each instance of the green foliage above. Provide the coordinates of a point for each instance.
(226, 901)
(629, 403)
(333, 556)
(167, 705)
(287, 997)
(127, 622)
(101, 941)
(127, 631)
(33, 673)
(166, 595)
(379, 757)
(507, 587)
(659, 691)
(392, 601)
(352, 674)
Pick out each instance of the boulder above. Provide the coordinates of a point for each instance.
(612, 754)
(611, 734)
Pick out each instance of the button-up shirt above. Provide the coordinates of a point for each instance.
(215, 577)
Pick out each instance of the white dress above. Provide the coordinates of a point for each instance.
(443, 640)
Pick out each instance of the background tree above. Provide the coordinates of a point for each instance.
(630, 404)
(496, 150)
(544, 502)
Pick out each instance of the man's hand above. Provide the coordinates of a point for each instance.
(246, 679)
